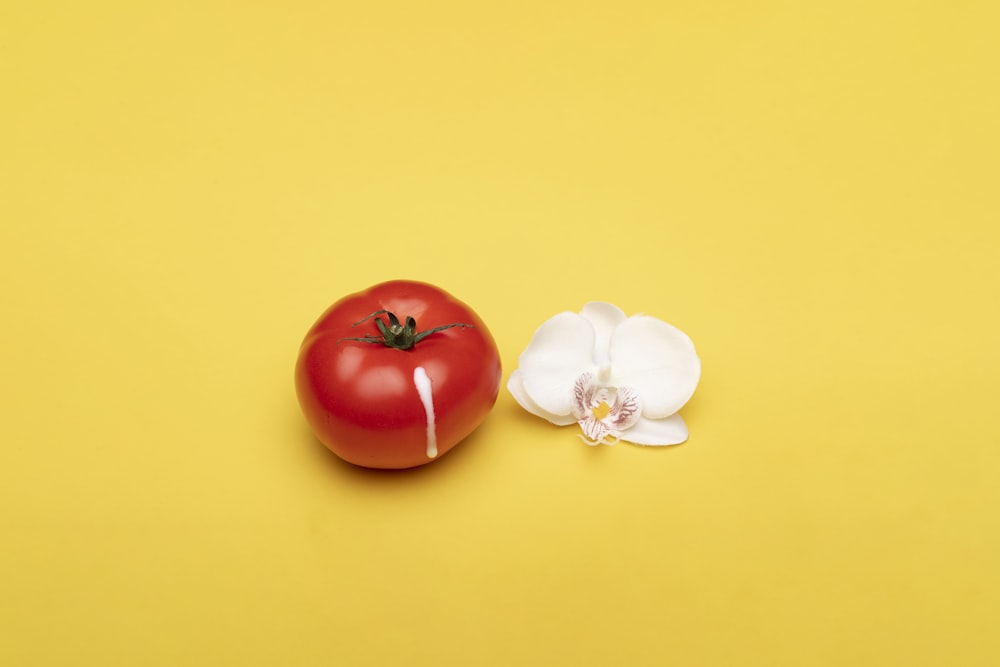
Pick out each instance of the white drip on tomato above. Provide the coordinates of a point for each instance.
(423, 385)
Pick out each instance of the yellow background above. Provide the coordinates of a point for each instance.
(807, 189)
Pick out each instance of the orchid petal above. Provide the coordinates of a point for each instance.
(561, 349)
(604, 317)
(657, 432)
(656, 360)
(515, 386)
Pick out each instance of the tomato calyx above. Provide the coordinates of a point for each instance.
(396, 335)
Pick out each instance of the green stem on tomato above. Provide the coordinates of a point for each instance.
(396, 335)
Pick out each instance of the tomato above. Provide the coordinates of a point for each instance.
(397, 375)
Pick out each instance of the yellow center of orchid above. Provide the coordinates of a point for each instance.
(601, 410)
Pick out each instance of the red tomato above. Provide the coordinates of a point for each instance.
(397, 375)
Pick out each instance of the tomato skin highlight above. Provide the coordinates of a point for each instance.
(361, 399)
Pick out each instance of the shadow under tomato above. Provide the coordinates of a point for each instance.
(448, 463)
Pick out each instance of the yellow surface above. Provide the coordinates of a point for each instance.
(807, 189)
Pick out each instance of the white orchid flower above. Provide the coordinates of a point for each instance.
(618, 377)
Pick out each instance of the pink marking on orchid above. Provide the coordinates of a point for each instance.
(604, 413)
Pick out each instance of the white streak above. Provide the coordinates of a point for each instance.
(423, 384)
